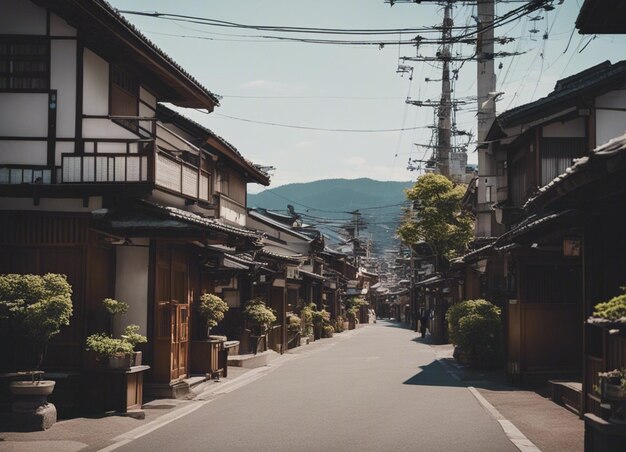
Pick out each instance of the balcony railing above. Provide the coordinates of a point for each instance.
(181, 177)
(104, 168)
(26, 174)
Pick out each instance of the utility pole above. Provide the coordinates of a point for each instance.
(486, 87)
(444, 126)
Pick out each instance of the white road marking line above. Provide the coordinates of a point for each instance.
(143, 430)
(513, 434)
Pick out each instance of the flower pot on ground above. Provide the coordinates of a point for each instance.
(33, 309)
(260, 318)
(320, 319)
(328, 331)
(294, 326)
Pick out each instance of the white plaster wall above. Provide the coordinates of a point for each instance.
(95, 84)
(148, 98)
(63, 79)
(21, 17)
(59, 27)
(104, 128)
(131, 285)
(24, 114)
(62, 147)
(23, 152)
(51, 204)
(610, 124)
(570, 129)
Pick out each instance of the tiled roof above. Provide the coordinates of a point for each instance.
(291, 259)
(567, 91)
(210, 223)
(132, 28)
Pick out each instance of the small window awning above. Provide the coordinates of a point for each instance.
(311, 275)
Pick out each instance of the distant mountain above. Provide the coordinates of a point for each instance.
(327, 204)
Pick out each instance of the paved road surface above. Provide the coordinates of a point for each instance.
(377, 389)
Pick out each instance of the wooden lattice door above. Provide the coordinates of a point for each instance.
(180, 321)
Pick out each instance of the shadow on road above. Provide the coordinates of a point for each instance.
(433, 374)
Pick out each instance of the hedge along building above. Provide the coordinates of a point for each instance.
(94, 187)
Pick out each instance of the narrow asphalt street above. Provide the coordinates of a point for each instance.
(376, 389)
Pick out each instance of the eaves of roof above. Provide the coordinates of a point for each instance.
(106, 24)
(210, 223)
(278, 225)
(567, 92)
(206, 134)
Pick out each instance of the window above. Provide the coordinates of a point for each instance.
(124, 97)
(24, 64)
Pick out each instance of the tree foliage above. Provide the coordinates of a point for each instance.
(438, 219)
(35, 306)
(257, 313)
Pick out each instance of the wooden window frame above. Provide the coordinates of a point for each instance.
(9, 59)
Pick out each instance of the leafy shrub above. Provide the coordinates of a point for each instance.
(132, 336)
(474, 325)
(34, 308)
(294, 324)
(321, 317)
(306, 316)
(339, 324)
(328, 331)
(351, 314)
(612, 310)
(106, 346)
(114, 307)
(212, 308)
(257, 313)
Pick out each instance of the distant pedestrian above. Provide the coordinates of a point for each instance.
(423, 322)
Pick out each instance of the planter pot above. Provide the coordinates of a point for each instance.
(346, 325)
(29, 388)
(31, 410)
(136, 359)
(612, 391)
(120, 361)
(317, 332)
(351, 325)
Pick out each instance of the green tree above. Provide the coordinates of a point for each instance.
(438, 218)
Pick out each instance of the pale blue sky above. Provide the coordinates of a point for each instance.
(294, 83)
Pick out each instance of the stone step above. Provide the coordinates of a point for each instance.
(251, 361)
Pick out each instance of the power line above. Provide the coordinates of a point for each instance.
(321, 129)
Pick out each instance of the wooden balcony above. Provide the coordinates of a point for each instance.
(104, 168)
(164, 160)
(26, 174)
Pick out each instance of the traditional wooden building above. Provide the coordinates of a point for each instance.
(100, 183)
(533, 144)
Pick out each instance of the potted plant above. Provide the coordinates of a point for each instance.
(611, 313)
(306, 316)
(116, 353)
(212, 308)
(321, 319)
(132, 336)
(205, 349)
(294, 327)
(33, 309)
(340, 324)
(261, 319)
(613, 384)
(351, 315)
(328, 331)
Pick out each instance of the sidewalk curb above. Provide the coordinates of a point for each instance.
(514, 435)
